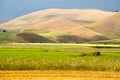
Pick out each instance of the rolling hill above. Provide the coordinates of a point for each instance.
(58, 25)
(64, 31)
(109, 26)
(79, 16)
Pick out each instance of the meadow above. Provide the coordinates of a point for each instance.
(28, 56)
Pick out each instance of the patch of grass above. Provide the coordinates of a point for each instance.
(6, 37)
(53, 35)
(107, 42)
(49, 59)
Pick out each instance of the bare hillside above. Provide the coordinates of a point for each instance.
(59, 25)
(109, 26)
(80, 16)
(64, 31)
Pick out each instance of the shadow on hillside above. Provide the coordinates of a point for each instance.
(32, 38)
(98, 38)
(78, 39)
(71, 39)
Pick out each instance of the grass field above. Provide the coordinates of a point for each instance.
(114, 41)
(59, 57)
(59, 75)
(6, 37)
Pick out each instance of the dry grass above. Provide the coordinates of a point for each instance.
(59, 22)
(59, 75)
(64, 28)
(75, 15)
(109, 26)
(61, 26)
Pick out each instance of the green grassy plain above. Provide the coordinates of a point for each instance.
(59, 57)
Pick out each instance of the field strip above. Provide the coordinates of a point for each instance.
(59, 75)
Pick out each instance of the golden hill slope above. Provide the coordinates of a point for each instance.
(58, 25)
(64, 31)
(109, 26)
(84, 17)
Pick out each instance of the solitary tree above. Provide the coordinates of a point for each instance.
(116, 10)
(4, 31)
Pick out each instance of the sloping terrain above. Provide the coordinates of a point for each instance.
(84, 17)
(109, 26)
(7, 37)
(58, 25)
(31, 38)
(64, 31)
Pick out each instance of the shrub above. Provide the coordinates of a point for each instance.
(83, 54)
(45, 50)
(96, 53)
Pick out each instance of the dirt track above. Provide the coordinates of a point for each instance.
(59, 75)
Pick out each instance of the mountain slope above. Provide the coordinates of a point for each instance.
(83, 17)
(64, 31)
(58, 25)
(31, 38)
(109, 26)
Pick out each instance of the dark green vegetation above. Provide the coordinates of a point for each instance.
(59, 57)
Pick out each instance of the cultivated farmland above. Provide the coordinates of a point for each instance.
(60, 57)
(59, 61)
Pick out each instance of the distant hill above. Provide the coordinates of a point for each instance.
(58, 25)
(109, 26)
(79, 16)
(64, 31)
(5, 19)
